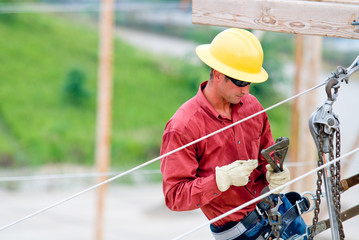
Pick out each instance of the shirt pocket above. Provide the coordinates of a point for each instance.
(256, 182)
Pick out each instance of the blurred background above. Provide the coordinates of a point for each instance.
(49, 57)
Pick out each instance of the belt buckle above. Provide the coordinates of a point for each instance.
(298, 207)
(260, 212)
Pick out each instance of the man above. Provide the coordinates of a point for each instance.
(225, 170)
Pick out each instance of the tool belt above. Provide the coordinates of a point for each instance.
(257, 226)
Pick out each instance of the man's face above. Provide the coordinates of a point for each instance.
(231, 92)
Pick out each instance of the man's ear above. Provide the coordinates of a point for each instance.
(217, 76)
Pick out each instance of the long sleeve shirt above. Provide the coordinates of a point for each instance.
(189, 174)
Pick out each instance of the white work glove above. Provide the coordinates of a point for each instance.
(236, 173)
(276, 179)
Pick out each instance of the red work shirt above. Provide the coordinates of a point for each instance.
(189, 174)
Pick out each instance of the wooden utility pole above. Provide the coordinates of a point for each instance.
(104, 106)
(308, 60)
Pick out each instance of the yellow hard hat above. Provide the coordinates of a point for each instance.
(236, 53)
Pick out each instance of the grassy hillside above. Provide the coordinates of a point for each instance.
(40, 123)
(48, 77)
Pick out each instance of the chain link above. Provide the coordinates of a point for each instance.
(276, 232)
(338, 186)
(334, 179)
(319, 184)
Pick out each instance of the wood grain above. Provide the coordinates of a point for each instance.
(324, 18)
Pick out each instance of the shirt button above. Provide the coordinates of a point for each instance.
(239, 142)
(255, 191)
(198, 205)
(215, 194)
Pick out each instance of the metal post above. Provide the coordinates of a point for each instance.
(334, 227)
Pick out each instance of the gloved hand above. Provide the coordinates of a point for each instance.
(276, 179)
(235, 173)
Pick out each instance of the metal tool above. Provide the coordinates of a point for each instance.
(275, 218)
(323, 125)
(324, 115)
(279, 149)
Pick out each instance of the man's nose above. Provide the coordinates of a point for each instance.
(245, 89)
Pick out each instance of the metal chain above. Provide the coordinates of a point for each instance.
(334, 179)
(276, 232)
(338, 186)
(319, 184)
(334, 182)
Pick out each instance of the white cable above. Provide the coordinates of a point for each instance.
(97, 174)
(156, 159)
(65, 176)
(68, 198)
(265, 195)
(53, 176)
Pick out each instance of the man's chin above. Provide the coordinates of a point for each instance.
(237, 99)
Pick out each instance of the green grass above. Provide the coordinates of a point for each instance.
(37, 123)
(38, 53)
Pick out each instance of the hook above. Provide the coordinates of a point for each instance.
(332, 83)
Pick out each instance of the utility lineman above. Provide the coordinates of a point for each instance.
(227, 169)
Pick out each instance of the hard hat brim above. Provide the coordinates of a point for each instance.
(205, 55)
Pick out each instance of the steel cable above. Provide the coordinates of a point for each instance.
(113, 173)
(68, 175)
